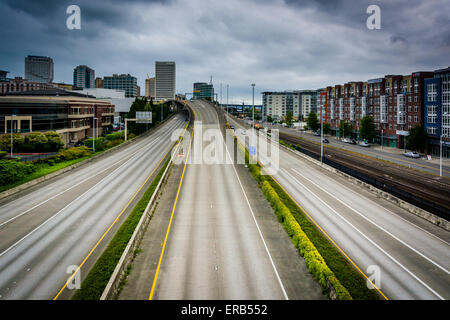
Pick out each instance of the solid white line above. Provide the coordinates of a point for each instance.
(257, 226)
(372, 222)
(61, 210)
(367, 238)
(64, 191)
(390, 212)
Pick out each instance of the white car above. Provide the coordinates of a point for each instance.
(412, 154)
(345, 140)
(364, 144)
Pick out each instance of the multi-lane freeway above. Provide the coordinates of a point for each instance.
(48, 231)
(215, 250)
(412, 255)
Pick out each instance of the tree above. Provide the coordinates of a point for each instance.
(367, 128)
(345, 128)
(417, 138)
(289, 117)
(36, 142)
(54, 141)
(269, 119)
(312, 121)
(5, 142)
(326, 128)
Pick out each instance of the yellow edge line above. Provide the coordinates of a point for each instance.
(155, 279)
(323, 231)
(374, 156)
(114, 222)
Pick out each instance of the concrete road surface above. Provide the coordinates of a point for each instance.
(215, 249)
(411, 255)
(50, 227)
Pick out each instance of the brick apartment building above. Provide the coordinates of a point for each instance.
(395, 102)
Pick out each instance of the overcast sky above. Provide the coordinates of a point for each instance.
(279, 45)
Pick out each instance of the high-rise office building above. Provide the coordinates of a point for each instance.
(150, 87)
(39, 69)
(83, 77)
(165, 73)
(124, 82)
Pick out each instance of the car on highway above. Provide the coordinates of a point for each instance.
(412, 154)
(364, 144)
(325, 140)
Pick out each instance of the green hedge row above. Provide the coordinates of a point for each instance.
(314, 261)
(13, 171)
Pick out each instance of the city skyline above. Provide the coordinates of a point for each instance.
(235, 48)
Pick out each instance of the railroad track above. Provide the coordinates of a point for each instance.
(424, 187)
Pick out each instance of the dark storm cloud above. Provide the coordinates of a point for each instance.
(277, 44)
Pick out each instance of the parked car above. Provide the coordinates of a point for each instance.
(345, 140)
(317, 134)
(412, 154)
(325, 140)
(232, 127)
(351, 141)
(364, 144)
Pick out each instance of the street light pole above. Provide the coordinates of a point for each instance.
(12, 132)
(253, 105)
(321, 132)
(381, 139)
(440, 159)
(227, 99)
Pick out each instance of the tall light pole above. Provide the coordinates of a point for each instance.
(321, 130)
(227, 99)
(440, 144)
(253, 105)
(12, 132)
(381, 139)
(93, 133)
(221, 94)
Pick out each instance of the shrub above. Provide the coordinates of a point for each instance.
(115, 136)
(74, 153)
(114, 143)
(100, 143)
(3, 154)
(12, 171)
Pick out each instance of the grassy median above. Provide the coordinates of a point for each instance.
(95, 282)
(325, 262)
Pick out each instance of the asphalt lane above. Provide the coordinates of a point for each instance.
(214, 250)
(412, 255)
(418, 163)
(47, 229)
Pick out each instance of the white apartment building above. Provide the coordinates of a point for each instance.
(300, 103)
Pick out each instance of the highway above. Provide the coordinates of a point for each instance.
(395, 156)
(57, 224)
(215, 248)
(412, 255)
